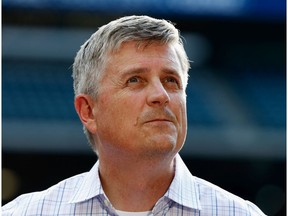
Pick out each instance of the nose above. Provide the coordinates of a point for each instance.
(157, 95)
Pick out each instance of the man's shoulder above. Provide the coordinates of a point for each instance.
(213, 195)
(32, 202)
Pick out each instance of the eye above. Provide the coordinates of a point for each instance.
(171, 80)
(133, 79)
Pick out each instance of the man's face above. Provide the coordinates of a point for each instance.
(141, 106)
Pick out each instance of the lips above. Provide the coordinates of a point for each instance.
(158, 120)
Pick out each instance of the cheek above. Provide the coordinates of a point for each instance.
(179, 107)
(181, 115)
(182, 119)
(106, 108)
(117, 108)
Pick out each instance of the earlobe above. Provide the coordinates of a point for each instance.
(84, 106)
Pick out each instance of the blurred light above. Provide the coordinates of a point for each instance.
(198, 48)
(270, 199)
(10, 184)
(232, 8)
(224, 7)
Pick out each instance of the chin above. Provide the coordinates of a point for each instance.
(160, 148)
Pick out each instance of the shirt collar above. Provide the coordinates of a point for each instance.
(183, 189)
(89, 187)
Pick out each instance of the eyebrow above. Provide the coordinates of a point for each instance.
(137, 71)
(134, 70)
(172, 71)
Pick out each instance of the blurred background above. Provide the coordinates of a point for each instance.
(236, 95)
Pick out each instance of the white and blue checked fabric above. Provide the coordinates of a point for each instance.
(82, 195)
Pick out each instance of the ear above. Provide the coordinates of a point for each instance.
(84, 105)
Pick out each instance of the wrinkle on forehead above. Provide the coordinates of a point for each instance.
(152, 52)
(142, 46)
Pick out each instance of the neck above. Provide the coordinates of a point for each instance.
(134, 184)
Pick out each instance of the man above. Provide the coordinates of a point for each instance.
(129, 80)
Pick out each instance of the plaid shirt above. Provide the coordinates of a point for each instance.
(83, 195)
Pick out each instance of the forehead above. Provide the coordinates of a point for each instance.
(133, 52)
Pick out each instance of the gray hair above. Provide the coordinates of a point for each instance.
(90, 59)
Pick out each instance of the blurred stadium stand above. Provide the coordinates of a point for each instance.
(236, 96)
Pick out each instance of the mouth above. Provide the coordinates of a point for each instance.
(159, 121)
